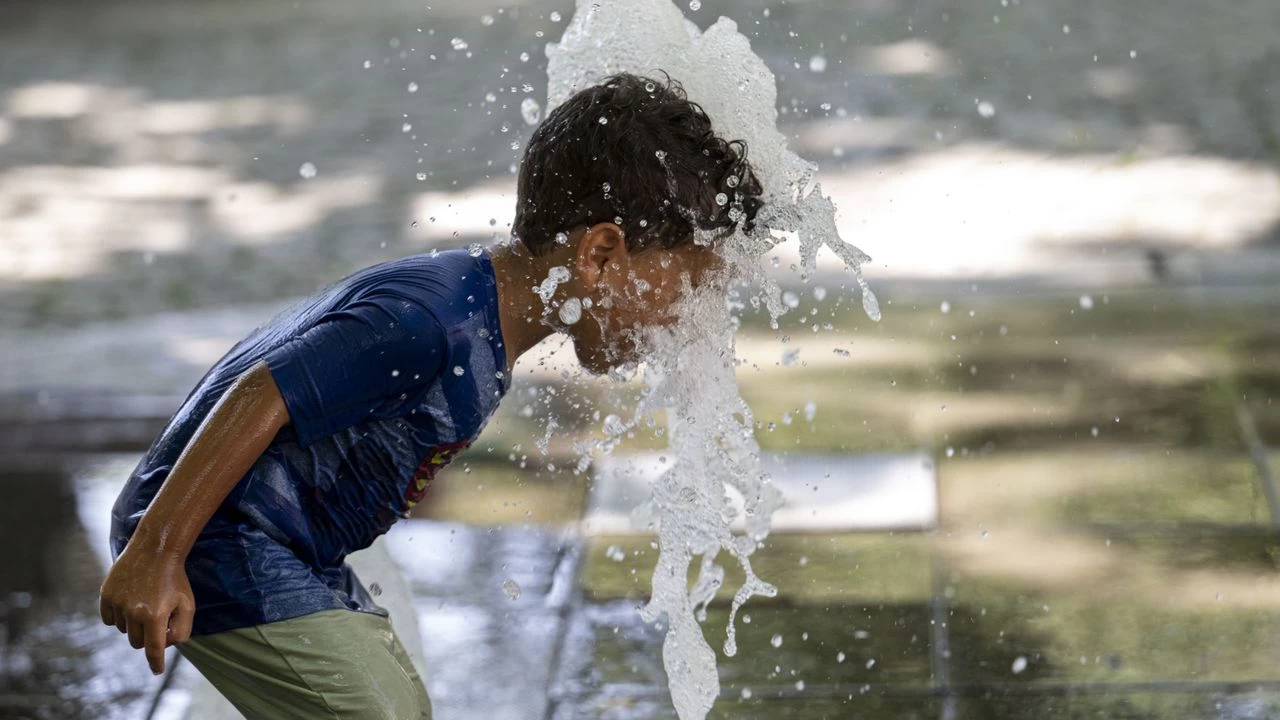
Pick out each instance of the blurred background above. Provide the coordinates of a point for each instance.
(1044, 486)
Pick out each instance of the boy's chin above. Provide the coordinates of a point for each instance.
(601, 362)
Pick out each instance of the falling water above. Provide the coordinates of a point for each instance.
(691, 366)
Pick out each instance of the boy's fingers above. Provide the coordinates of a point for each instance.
(180, 623)
(108, 615)
(136, 630)
(155, 643)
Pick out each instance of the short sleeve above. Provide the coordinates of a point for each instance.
(371, 358)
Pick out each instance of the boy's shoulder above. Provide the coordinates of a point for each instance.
(454, 285)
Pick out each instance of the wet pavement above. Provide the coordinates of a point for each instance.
(1102, 545)
(1023, 604)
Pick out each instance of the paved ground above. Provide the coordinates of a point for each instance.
(1128, 573)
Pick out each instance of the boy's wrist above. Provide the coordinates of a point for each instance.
(159, 546)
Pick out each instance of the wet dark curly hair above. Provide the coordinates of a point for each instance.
(633, 148)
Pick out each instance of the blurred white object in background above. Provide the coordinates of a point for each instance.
(372, 565)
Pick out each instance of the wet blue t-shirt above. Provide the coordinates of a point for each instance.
(386, 375)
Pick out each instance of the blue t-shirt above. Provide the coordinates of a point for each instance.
(386, 375)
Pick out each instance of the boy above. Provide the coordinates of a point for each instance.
(313, 435)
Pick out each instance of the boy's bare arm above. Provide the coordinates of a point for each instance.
(146, 593)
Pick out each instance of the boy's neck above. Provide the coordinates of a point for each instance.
(519, 307)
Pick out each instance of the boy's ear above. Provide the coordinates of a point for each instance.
(601, 246)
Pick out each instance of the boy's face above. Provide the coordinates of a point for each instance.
(628, 293)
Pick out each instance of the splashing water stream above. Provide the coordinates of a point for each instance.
(690, 370)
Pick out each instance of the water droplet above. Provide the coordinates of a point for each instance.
(870, 304)
(486, 20)
(511, 588)
(840, 657)
(1086, 302)
(945, 307)
(819, 293)
(368, 64)
(307, 171)
(458, 44)
(776, 641)
(457, 370)
(530, 110)
(474, 250)
(615, 553)
(695, 5)
(817, 64)
(571, 311)
(413, 87)
(986, 109)
(421, 176)
(871, 663)
(746, 693)
(1094, 431)
(614, 426)
(555, 16)
(800, 685)
(722, 199)
(790, 299)
(562, 239)
(1019, 665)
(375, 589)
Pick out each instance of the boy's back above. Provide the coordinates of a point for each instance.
(394, 368)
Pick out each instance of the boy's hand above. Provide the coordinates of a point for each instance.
(148, 597)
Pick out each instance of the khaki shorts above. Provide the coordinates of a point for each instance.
(335, 664)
